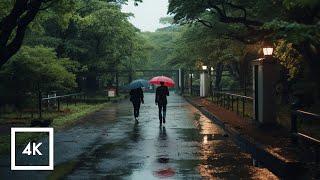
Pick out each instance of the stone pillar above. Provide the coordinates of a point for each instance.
(265, 76)
(204, 84)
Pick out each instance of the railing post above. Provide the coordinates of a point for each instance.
(294, 118)
(232, 103)
(58, 104)
(294, 127)
(40, 104)
(223, 101)
(317, 155)
(243, 107)
(238, 105)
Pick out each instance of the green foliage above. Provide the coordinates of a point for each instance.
(291, 4)
(34, 66)
(294, 32)
(161, 44)
(290, 58)
(200, 45)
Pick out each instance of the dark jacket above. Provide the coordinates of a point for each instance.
(161, 95)
(136, 95)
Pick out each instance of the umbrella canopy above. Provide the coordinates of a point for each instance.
(138, 84)
(167, 81)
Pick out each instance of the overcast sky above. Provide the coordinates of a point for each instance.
(147, 14)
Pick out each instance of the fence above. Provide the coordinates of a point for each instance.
(195, 90)
(304, 116)
(234, 102)
(56, 100)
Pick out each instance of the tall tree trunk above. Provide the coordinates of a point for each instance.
(23, 12)
(233, 68)
(219, 69)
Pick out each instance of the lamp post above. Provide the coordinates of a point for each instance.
(265, 76)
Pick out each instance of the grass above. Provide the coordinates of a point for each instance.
(68, 116)
(5, 144)
(76, 113)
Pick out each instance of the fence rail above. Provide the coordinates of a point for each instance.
(303, 115)
(57, 100)
(63, 96)
(232, 101)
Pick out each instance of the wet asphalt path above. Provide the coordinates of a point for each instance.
(110, 145)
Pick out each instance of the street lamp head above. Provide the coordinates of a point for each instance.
(267, 48)
(268, 51)
(204, 67)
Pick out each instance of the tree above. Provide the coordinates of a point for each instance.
(292, 24)
(244, 18)
(19, 14)
(33, 68)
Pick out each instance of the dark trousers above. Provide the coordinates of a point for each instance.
(136, 108)
(162, 111)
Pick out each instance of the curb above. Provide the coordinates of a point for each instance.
(278, 166)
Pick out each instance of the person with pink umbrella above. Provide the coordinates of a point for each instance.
(161, 95)
(161, 100)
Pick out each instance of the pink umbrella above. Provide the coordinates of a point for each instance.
(167, 81)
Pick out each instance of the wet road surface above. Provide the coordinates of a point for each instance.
(110, 145)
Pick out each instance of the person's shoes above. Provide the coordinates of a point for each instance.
(164, 120)
(160, 122)
(137, 120)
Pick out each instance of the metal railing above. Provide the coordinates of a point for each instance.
(195, 91)
(304, 116)
(233, 102)
(69, 98)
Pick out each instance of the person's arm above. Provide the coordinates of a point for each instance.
(131, 93)
(167, 91)
(141, 96)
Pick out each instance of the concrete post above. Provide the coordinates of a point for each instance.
(265, 77)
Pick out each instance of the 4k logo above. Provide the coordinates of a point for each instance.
(35, 149)
(31, 149)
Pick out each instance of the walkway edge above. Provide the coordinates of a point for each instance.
(278, 166)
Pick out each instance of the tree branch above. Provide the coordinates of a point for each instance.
(226, 19)
(9, 22)
(205, 23)
(8, 50)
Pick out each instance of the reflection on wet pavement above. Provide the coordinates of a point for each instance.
(109, 144)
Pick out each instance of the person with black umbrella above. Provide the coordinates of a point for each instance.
(136, 97)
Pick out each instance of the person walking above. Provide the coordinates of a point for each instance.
(161, 100)
(136, 97)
